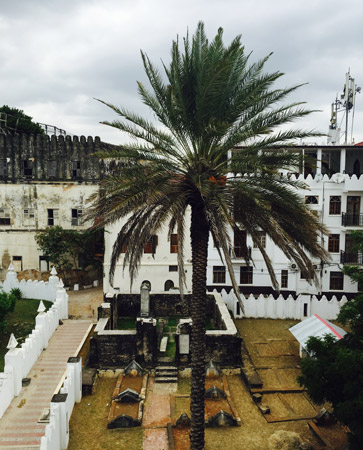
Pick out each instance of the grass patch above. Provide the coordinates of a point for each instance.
(21, 322)
(126, 323)
(170, 349)
(88, 424)
(172, 321)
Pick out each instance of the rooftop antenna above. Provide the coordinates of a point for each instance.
(345, 104)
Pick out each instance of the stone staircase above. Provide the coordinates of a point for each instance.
(166, 374)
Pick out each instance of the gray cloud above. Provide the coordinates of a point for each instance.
(56, 56)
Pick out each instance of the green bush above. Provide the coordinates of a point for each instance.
(7, 304)
(17, 293)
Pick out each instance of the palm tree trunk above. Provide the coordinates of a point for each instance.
(199, 241)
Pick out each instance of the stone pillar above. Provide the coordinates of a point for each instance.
(42, 323)
(145, 300)
(146, 341)
(182, 339)
(76, 363)
(13, 359)
(58, 405)
(11, 280)
(53, 279)
(104, 312)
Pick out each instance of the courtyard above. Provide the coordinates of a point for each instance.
(271, 352)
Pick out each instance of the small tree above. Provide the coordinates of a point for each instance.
(66, 248)
(334, 370)
(18, 121)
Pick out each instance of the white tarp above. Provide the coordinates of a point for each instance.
(315, 326)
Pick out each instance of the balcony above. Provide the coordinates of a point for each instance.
(352, 220)
(351, 258)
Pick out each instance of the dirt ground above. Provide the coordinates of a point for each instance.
(275, 355)
(83, 304)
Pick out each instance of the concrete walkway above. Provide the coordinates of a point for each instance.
(19, 427)
(157, 415)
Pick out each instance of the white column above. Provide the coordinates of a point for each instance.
(319, 157)
(342, 160)
(59, 403)
(76, 363)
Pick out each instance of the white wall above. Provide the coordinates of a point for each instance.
(19, 361)
(156, 269)
(17, 239)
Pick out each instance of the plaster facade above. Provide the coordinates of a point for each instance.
(333, 189)
(43, 182)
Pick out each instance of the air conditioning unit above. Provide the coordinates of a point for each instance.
(293, 266)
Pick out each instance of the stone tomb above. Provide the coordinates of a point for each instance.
(127, 402)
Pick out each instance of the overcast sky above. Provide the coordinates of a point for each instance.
(56, 56)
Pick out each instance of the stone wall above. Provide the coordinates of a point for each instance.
(29, 158)
(111, 348)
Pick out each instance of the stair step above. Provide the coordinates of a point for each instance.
(166, 379)
(166, 367)
(167, 374)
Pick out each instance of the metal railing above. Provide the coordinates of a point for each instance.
(351, 258)
(352, 220)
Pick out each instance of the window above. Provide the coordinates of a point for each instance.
(76, 217)
(246, 275)
(52, 168)
(150, 246)
(169, 284)
(335, 204)
(261, 238)
(174, 243)
(311, 199)
(284, 278)
(239, 243)
(76, 169)
(43, 264)
(18, 263)
(4, 216)
(29, 214)
(2, 167)
(173, 268)
(333, 243)
(27, 167)
(53, 217)
(336, 281)
(219, 274)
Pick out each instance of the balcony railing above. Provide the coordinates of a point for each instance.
(352, 220)
(351, 258)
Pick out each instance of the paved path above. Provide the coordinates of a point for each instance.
(157, 415)
(19, 427)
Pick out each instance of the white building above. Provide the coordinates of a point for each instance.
(43, 182)
(334, 189)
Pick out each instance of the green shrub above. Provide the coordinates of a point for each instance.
(7, 304)
(17, 293)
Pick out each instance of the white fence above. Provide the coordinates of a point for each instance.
(280, 308)
(41, 290)
(57, 431)
(19, 361)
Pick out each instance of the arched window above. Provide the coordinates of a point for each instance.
(356, 167)
(168, 285)
(146, 282)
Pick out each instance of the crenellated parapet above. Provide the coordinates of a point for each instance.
(41, 158)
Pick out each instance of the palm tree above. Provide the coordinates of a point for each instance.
(210, 101)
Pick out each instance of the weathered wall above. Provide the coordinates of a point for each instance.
(50, 158)
(37, 174)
